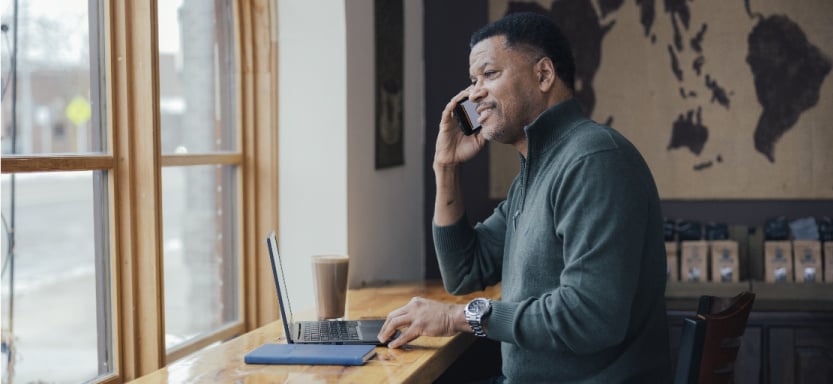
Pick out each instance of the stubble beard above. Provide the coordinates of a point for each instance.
(498, 134)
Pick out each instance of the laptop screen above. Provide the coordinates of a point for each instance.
(280, 283)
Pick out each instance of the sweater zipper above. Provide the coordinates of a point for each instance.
(524, 180)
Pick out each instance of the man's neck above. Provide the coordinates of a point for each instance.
(520, 146)
(558, 95)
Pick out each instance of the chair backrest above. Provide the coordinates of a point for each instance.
(710, 341)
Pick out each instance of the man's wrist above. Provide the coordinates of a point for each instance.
(458, 318)
(445, 167)
(447, 177)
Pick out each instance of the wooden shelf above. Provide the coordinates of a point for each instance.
(771, 297)
(683, 296)
(695, 290)
(793, 296)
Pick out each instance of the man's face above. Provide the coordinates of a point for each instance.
(505, 88)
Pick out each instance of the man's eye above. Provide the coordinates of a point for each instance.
(490, 74)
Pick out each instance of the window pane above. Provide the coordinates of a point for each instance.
(55, 302)
(201, 263)
(49, 104)
(196, 80)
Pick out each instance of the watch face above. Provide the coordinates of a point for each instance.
(478, 306)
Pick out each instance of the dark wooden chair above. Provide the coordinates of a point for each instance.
(710, 340)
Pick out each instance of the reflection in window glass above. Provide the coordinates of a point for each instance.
(55, 330)
(48, 105)
(196, 80)
(201, 285)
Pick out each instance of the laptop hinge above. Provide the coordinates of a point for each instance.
(296, 329)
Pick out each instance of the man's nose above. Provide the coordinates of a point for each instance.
(477, 93)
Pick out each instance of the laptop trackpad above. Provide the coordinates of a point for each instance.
(370, 327)
(369, 330)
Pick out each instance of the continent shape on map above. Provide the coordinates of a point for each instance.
(688, 131)
(788, 72)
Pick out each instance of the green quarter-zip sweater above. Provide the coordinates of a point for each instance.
(578, 248)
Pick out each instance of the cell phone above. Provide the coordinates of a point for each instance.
(466, 113)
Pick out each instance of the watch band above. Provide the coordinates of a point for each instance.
(477, 328)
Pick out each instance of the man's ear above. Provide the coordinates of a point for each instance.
(545, 69)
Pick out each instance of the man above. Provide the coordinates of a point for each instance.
(577, 245)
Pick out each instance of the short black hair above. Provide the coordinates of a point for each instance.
(538, 32)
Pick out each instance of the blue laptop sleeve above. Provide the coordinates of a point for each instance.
(311, 354)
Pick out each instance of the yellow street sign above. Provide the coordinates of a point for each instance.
(78, 110)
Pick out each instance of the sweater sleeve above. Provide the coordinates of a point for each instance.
(601, 207)
(469, 257)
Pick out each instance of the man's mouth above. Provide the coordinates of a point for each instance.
(484, 106)
(483, 111)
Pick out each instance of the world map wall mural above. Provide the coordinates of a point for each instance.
(725, 99)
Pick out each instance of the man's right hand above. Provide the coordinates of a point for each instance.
(423, 317)
(453, 147)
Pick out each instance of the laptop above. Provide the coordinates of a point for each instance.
(322, 331)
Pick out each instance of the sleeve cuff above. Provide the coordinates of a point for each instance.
(453, 237)
(500, 323)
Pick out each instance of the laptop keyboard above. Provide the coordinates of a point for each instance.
(331, 331)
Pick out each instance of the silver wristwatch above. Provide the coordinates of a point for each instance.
(476, 312)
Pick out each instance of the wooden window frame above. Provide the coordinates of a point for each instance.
(134, 162)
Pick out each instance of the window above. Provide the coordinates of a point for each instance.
(197, 87)
(133, 218)
(50, 303)
(55, 259)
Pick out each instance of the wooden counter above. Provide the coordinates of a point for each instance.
(421, 361)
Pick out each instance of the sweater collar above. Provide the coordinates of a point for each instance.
(552, 124)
